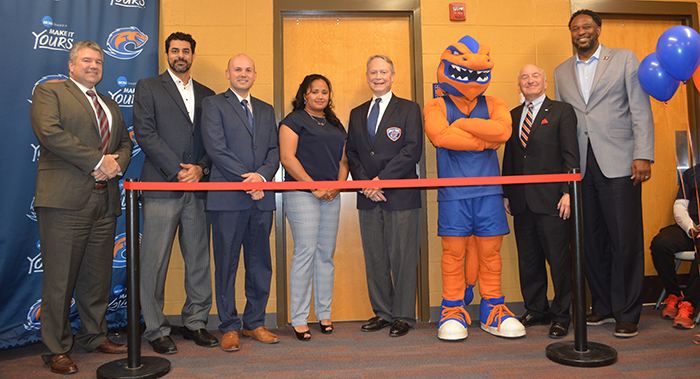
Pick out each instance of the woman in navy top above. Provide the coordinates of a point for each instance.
(312, 148)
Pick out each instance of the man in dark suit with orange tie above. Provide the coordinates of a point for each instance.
(240, 135)
(385, 141)
(85, 148)
(543, 142)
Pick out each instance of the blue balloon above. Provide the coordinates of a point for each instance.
(655, 80)
(678, 51)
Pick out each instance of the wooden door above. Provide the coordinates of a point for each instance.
(338, 48)
(660, 191)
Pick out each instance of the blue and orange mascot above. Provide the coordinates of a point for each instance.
(467, 127)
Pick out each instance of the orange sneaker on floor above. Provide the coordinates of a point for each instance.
(671, 309)
(684, 319)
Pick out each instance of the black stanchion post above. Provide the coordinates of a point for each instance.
(134, 366)
(579, 352)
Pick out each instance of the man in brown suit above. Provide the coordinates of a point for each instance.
(84, 149)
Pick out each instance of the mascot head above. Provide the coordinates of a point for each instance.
(465, 69)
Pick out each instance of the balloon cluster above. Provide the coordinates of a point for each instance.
(676, 60)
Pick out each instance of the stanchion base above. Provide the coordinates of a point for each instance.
(151, 367)
(598, 355)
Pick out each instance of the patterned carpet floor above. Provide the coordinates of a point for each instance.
(659, 351)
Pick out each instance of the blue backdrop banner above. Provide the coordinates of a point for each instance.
(45, 30)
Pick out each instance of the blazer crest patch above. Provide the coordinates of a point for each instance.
(393, 133)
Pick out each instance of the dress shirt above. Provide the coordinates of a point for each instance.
(84, 90)
(382, 107)
(250, 108)
(536, 104)
(187, 93)
(585, 70)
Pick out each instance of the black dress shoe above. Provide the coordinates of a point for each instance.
(164, 345)
(558, 330)
(529, 320)
(201, 337)
(399, 328)
(625, 330)
(374, 324)
(598, 319)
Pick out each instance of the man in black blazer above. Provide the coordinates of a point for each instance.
(240, 135)
(543, 142)
(85, 148)
(385, 141)
(167, 114)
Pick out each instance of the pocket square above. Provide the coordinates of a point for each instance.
(544, 122)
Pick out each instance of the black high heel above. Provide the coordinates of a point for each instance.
(326, 329)
(301, 335)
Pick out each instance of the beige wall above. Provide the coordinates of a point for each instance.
(517, 31)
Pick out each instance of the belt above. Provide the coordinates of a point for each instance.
(100, 185)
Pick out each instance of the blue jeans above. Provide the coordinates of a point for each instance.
(314, 225)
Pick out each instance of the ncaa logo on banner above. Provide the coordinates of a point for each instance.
(126, 43)
(52, 37)
(124, 96)
(32, 214)
(141, 4)
(119, 255)
(53, 78)
(119, 301)
(34, 315)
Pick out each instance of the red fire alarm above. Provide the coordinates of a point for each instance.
(457, 12)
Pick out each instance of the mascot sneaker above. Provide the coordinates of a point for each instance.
(453, 321)
(468, 295)
(498, 320)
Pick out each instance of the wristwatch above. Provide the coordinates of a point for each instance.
(205, 169)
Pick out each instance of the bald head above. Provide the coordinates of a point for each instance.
(532, 82)
(241, 74)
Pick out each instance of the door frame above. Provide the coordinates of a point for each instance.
(287, 8)
(685, 12)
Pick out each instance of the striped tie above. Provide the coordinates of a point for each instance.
(102, 120)
(527, 126)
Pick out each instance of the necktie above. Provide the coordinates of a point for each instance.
(372, 119)
(101, 119)
(527, 126)
(244, 102)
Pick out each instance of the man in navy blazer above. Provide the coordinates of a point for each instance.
(167, 114)
(385, 141)
(240, 136)
(544, 143)
(616, 144)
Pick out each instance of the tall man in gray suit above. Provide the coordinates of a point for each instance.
(616, 144)
(85, 148)
(167, 113)
(385, 141)
(240, 135)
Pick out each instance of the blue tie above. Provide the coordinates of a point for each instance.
(244, 102)
(372, 119)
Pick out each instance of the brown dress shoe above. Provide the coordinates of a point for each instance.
(109, 347)
(261, 334)
(62, 364)
(230, 342)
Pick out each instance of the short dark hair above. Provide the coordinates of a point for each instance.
(588, 12)
(180, 36)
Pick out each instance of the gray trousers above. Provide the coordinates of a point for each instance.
(161, 218)
(391, 244)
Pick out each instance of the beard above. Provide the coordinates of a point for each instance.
(180, 69)
(592, 43)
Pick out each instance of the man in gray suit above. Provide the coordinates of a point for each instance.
(616, 144)
(240, 135)
(167, 113)
(85, 148)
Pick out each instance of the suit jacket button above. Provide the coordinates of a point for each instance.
(371, 153)
(255, 147)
